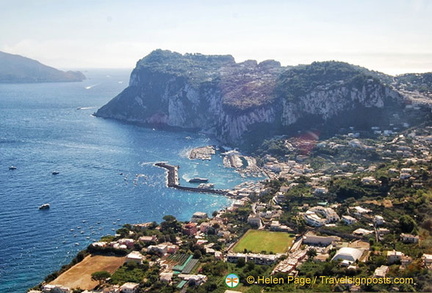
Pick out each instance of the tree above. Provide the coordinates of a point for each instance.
(241, 262)
(407, 224)
(100, 276)
(169, 218)
(197, 254)
(311, 253)
(170, 225)
(123, 232)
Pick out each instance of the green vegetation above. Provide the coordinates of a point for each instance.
(100, 276)
(130, 272)
(259, 240)
(300, 80)
(415, 82)
(404, 203)
(196, 67)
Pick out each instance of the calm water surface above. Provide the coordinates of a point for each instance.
(49, 127)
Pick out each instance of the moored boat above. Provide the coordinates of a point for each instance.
(198, 180)
(45, 206)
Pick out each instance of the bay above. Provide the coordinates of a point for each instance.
(106, 174)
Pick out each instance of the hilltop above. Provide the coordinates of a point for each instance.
(241, 104)
(19, 69)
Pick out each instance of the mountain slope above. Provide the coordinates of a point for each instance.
(18, 69)
(242, 103)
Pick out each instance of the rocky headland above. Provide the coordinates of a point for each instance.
(19, 69)
(241, 104)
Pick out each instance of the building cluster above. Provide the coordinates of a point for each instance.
(128, 287)
(348, 249)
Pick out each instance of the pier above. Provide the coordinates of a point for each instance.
(173, 181)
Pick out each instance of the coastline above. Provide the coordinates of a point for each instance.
(173, 181)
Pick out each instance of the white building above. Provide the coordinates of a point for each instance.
(163, 248)
(409, 238)
(369, 180)
(313, 220)
(135, 256)
(55, 289)
(394, 256)
(427, 260)
(259, 259)
(359, 211)
(198, 216)
(320, 190)
(129, 287)
(362, 232)
(254, 220)
(312, 239)
(348, 254)
(349, 220)
(381, 272)
(378, 220)
(328, 213)
(194, 279)
(276, 226)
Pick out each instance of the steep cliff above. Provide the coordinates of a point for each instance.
(242, 103)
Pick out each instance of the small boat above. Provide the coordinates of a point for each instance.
(198, 180)
(12, 168)
(55, 172)
(45, 206)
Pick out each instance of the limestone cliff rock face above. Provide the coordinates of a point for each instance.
(234, 100)
(329, 103)
(200, 94)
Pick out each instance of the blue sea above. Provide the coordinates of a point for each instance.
(106, 174)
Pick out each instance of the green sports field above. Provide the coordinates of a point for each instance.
(260, 240)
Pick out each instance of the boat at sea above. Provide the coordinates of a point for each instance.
(45, 206)
(55, 172)
(198, 180)
(12, 168)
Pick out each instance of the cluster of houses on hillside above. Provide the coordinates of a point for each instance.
(412, 146)
(347, 251)
(128, 287)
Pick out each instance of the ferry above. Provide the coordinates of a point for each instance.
(45, 206)
(198, 180)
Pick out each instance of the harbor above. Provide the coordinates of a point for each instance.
(173, 181)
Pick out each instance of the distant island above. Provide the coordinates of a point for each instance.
(241, 104)
(19, 69)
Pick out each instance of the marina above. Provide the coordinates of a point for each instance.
(173, 181)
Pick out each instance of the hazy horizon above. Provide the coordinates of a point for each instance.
(387, 36)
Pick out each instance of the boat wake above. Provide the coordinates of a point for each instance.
(91, 86)
(148, 163)
(86, 108)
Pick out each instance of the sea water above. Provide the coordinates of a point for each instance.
(106, 174)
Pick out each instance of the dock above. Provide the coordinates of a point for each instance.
(173, 181)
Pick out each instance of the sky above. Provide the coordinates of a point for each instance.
(391, 36)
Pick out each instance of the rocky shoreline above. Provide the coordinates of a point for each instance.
(202, 153)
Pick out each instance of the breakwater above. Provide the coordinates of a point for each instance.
(173, 181)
